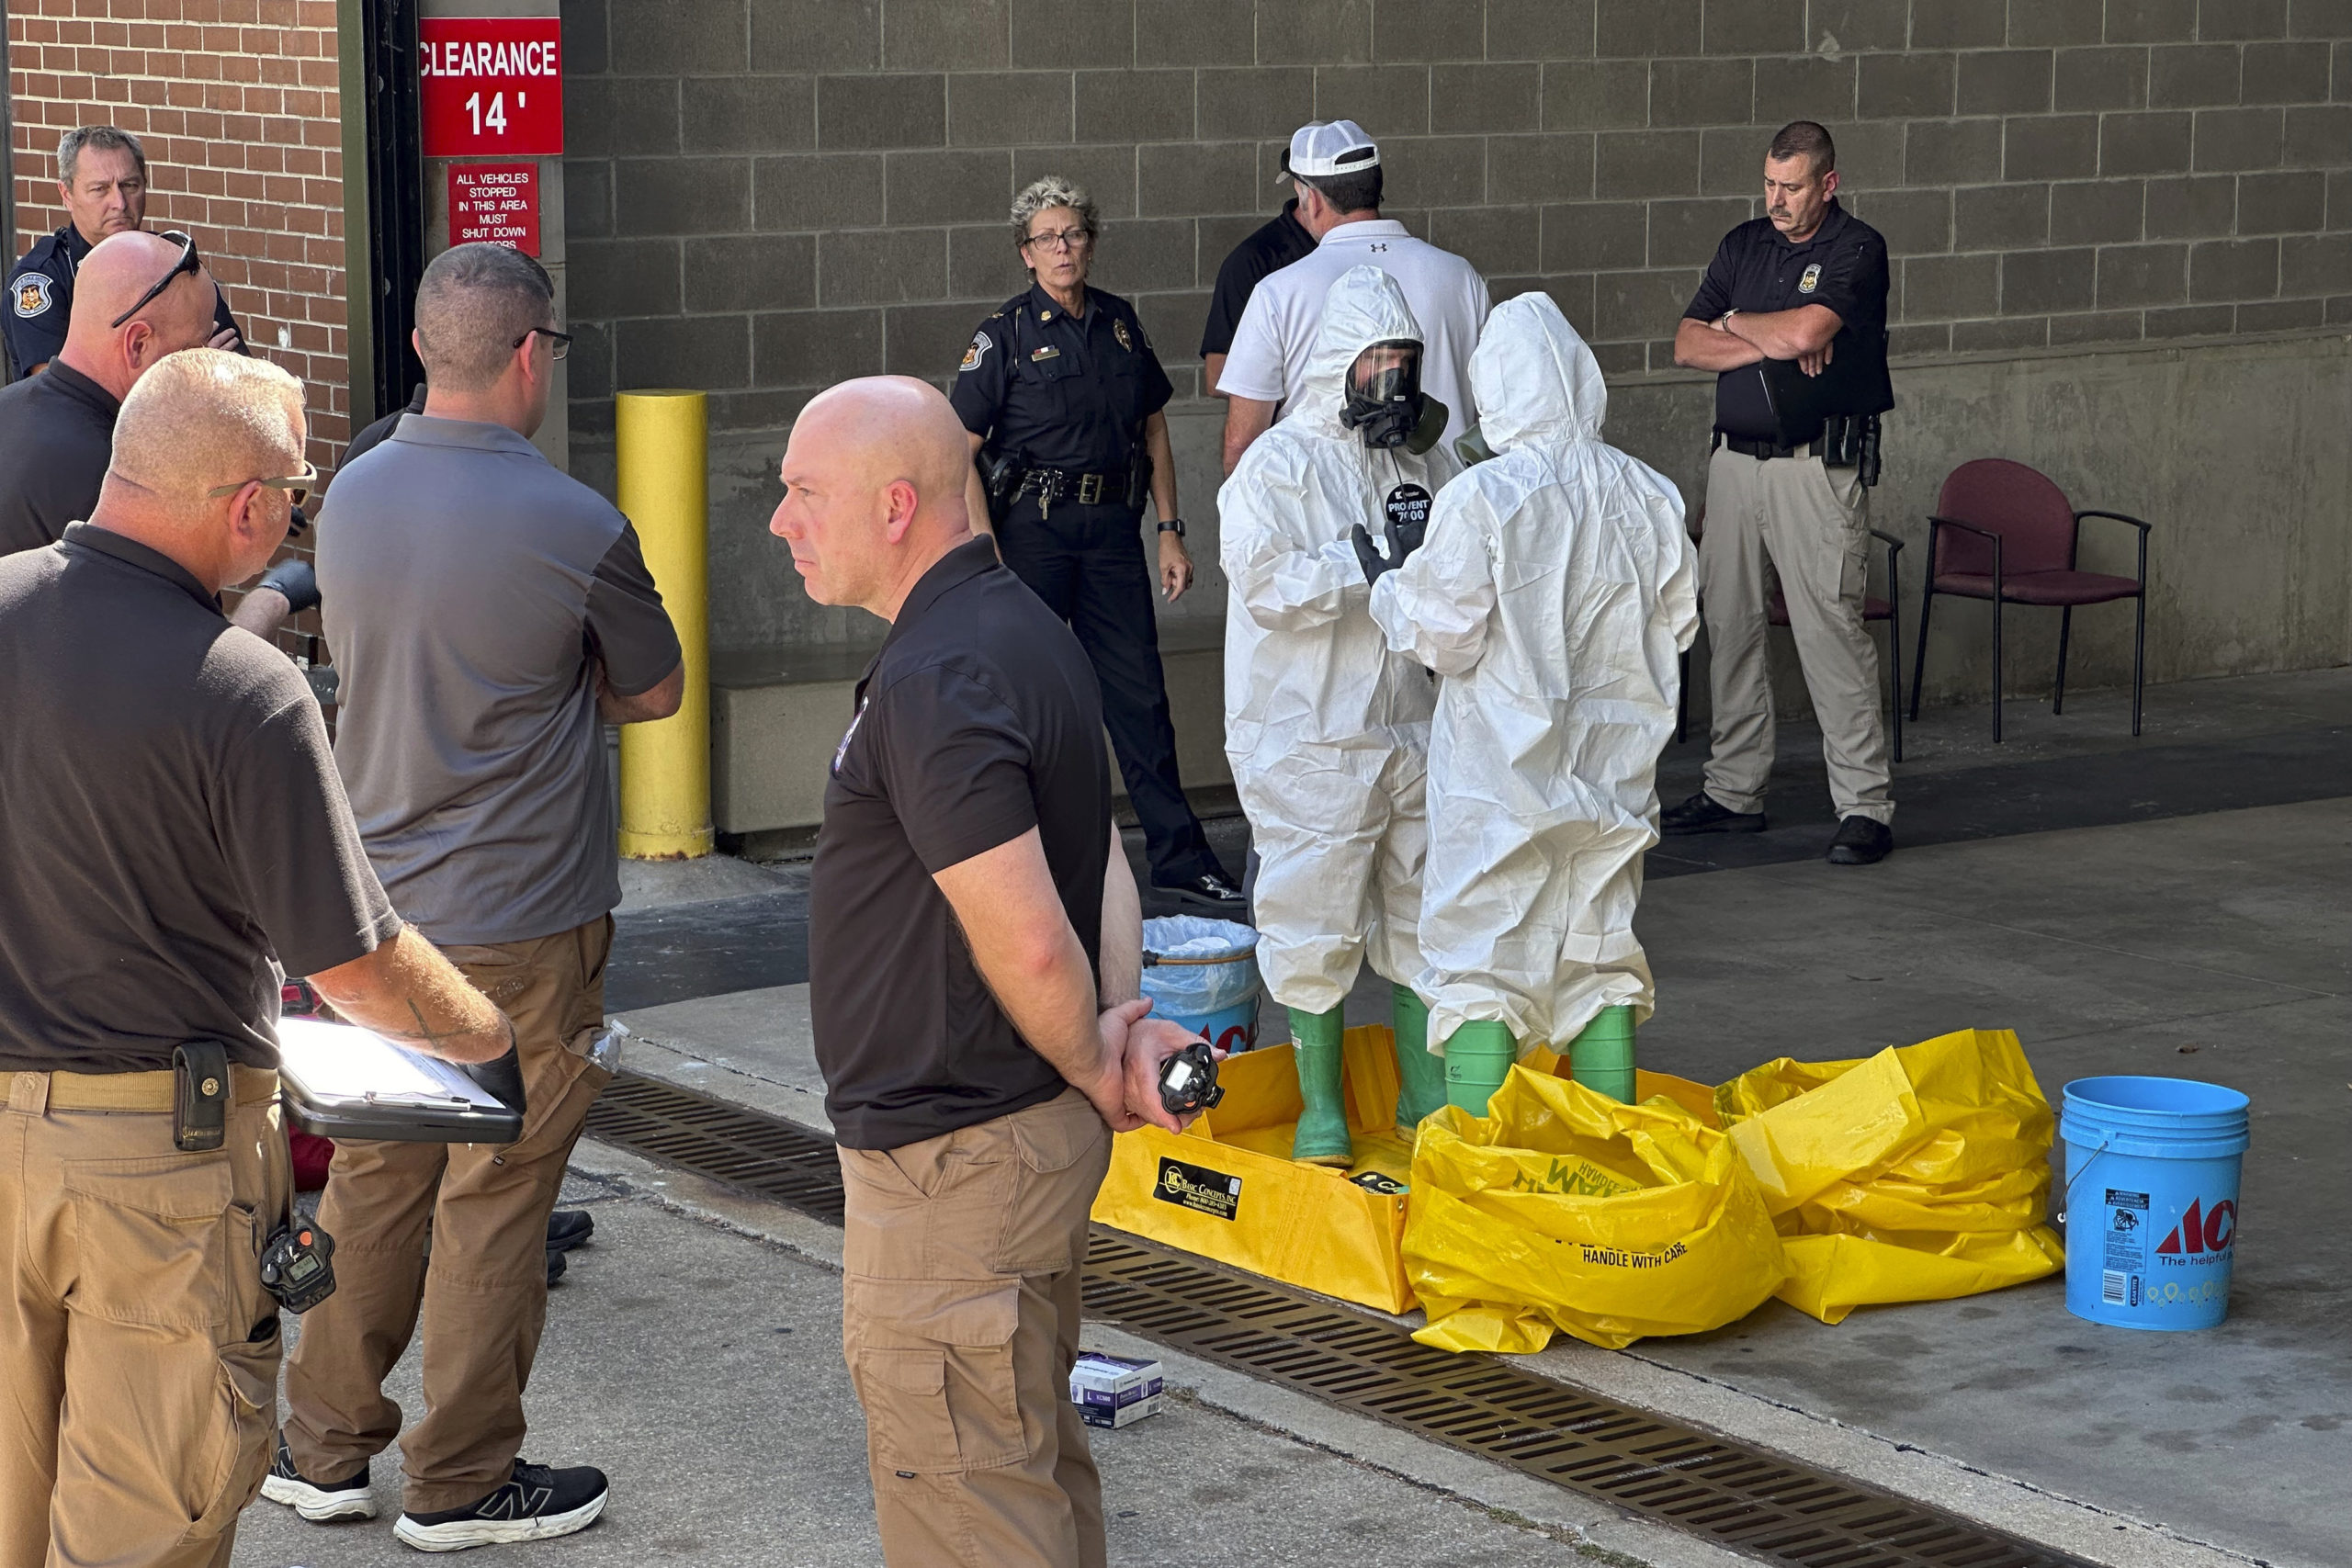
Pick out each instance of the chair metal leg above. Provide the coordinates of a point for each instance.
(1919, 664)
(1996, 667)
(2065, 624)
(2139, 653)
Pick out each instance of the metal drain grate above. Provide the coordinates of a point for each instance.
(1748, 1500)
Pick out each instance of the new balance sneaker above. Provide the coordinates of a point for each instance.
(537, 1501)
(317, 1501)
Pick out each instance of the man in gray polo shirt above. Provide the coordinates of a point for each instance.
(486, 612)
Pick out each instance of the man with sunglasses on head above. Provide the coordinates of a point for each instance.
(102, 178)
(489, 615)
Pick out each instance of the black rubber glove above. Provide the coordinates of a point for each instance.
(1404, 538)
(296, 579)
(503, 1075)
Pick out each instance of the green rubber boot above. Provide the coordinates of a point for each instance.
(1322, 1137)
(1477, 1058)
(1421, 1075)
(1602, 1057)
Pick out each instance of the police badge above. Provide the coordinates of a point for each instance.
(32, 295)
(1119, 331)
(1811, 280)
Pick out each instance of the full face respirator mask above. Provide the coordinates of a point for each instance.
(1385, 403)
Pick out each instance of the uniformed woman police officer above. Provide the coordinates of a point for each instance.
(1064, 399)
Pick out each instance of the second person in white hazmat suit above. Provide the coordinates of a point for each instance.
(1326, 730)
(1553, 596)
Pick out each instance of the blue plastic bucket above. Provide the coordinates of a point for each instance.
(1203, 974)
(2151, 1199)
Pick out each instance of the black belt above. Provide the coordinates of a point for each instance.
(1764, 451)
(1050, 485)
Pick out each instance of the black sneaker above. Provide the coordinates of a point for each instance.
(1703, 813)
(567, 1228)
(317, 1501)
(557, 1264)
(1861, 842)
(537, 1503)
(1209, 890)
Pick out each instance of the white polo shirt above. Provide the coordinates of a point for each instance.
(1277, 331)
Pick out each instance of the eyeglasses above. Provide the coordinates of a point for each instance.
(558, 343)
(296, 485)
(1060, 239)
(187, 262)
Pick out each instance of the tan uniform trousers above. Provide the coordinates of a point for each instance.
(138, 1349)
(1811, 524)
(484, 1297)
(959, 1319)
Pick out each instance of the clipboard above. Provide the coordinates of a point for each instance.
(341, 1081)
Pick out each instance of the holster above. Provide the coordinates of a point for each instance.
(1000, 480)
(200, 1096)
(1139, 479)
(1851, 441)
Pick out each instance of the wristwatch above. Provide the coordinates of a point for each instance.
(1174, 526)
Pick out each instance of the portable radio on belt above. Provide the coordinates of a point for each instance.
(200, 1096)
(298, 1262)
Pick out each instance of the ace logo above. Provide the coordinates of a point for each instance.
(2202, 1230)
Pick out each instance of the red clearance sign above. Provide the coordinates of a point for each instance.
(493, 86)
(495, 202)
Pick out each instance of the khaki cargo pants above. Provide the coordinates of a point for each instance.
(484, 1297)
(1811, 525)
(959, 1319)
(138, 1349)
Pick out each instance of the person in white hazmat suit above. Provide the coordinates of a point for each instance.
(1553, 596)
(1326, 730)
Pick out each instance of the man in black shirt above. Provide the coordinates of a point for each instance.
(1793, 318)
(1270, 247)
(971, 915)
(102, 178)
(174, 833)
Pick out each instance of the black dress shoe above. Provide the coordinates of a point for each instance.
(1703, 813)
(1861, 842)
(1209, 890)
(567, 1228)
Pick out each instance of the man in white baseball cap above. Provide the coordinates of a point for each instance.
(1335, 170)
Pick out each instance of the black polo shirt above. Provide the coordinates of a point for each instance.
(169, 817)
(979, 720)
(1269, 248)
(40, 301)
(376, 435)
(56, 439)
(1842, 266)
(1061, 391)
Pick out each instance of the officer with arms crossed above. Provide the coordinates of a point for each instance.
(1792, 317)
(1063, 401)
(174, 831)
(974, 962)
(486, 612)
(102, 176)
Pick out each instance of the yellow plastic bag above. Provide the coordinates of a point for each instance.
(1227, 1189)
(1919, 1174)
(1563, 1209)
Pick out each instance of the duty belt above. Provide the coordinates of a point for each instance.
(1050, 485)
(1764, 451)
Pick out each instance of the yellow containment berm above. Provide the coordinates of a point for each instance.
(1919, 1174)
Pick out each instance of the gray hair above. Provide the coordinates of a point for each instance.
(1054, 190)
(97, 139)
(473, 305)
(203, 417)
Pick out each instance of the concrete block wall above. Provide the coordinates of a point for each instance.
(768, 195)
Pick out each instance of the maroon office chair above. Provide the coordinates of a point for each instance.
(2003, 532)
(1776, 613)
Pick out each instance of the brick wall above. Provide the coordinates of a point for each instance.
(236, 104)
(766, 196)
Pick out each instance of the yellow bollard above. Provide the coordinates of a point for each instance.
(663, 451)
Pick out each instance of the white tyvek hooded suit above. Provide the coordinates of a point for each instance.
(1326, 730)
(1553, 595)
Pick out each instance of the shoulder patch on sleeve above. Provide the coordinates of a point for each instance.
(30, 294)
(977, 352)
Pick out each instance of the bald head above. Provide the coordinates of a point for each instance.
(873, 484)
(109, 281)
